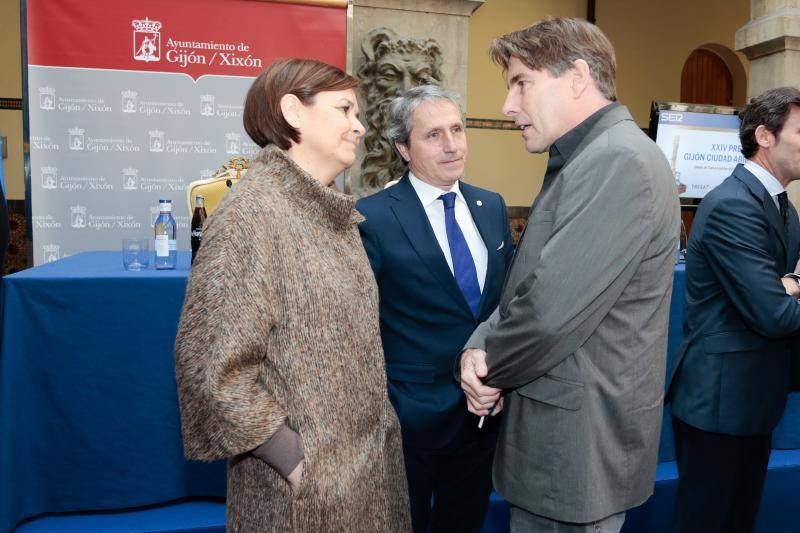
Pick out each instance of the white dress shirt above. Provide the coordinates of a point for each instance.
(770, 182)
(434, 208)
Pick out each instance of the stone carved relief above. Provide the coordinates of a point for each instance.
(392, 66)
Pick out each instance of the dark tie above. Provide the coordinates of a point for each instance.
(783, 202)
(463, 264)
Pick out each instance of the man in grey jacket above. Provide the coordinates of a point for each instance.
(577, 346)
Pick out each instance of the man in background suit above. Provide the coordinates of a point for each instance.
(578, 344)
(439, 248)
(731, 378)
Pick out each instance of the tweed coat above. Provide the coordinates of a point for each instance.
(280, 325)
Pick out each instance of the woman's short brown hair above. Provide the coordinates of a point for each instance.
(554, 44)
(304, 78)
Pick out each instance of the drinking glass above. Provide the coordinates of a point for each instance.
(135, 254)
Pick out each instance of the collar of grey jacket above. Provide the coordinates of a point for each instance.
(564, 147)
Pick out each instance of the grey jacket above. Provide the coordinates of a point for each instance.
(579, 339)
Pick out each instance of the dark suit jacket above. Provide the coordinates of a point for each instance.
(424, 317)
(731, 374)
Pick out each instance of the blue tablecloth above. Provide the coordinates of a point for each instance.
(88, 405)
(88, 402)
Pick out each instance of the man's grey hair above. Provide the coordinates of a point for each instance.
(398, 123)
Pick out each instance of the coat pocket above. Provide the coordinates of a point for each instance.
(410, 372)
(734, 341)
(526, 256)
(554, 391)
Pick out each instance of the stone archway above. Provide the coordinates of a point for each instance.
(713, 74)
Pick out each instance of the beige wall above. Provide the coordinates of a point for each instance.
(497, 158)
(652, 40)
(11, 87)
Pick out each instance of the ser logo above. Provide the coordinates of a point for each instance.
(668, 116)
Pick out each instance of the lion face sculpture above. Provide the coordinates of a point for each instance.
(393, 65)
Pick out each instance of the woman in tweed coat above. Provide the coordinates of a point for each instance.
(278, 356)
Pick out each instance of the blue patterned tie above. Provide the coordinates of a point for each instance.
(463, 264)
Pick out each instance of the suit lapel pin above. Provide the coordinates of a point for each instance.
(479, 203)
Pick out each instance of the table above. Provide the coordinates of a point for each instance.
(88, 403)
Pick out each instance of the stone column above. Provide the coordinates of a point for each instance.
(445, 21)
(771, 41)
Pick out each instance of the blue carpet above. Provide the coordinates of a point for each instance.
(779, 510)
(201, 516)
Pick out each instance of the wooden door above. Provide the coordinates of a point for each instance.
(706, 79)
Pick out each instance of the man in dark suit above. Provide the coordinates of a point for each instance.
(730, 381)
(439, 248)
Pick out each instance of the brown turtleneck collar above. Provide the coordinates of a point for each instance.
(308, 192)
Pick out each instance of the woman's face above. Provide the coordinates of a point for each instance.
(330, 131)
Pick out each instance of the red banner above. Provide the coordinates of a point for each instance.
(195, 37)
(130, 101)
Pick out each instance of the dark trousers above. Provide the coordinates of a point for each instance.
(458, 477)
(721, 478)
